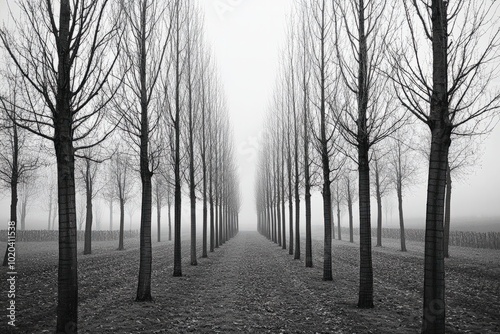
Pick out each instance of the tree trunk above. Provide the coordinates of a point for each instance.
(145, 250)
(379, 205)
(327, 195)
(67, 278)
(216, 219)
(338, 221)
(67, 292)
(88, 217)
(351, 229)
(50, 210)
(169, 221)
(332, 215)
(111, 214)
(158, 217)
(205, 197)
(365, 241)
(13, 200)
(24, 203)
(283, 198)
(212, 226)
(447, 216)
(307, 179)
(290, 197)
(366, 271)
(433, 319)
(401, 218)
(177, 161)
(122, 224)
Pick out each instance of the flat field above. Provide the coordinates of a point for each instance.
(251, 285)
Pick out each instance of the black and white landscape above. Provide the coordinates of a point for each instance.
(227, 166)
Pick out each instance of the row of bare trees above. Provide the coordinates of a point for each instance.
(123, 86)
(354, 73)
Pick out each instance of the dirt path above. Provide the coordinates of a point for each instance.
(248, 285)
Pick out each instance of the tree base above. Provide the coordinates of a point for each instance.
(365, 304)
(144, 299)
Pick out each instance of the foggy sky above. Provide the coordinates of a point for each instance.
(246, 37)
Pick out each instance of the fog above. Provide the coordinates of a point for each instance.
(246, 37)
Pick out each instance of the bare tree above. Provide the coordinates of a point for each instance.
(350, 197)
(159, 193)
(325, 100)
(87, 175)
(108, 191)
(364, 28)
(381, 181)
(403, 171)
(65, 56)
(451, 95)
(147, 35)
(124, 184)
(29, 189)
(15, 163)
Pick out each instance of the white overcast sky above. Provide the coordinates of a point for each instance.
(246, 37)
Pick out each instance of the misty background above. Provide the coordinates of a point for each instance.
(247, 37)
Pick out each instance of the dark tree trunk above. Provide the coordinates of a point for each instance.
(290, 196)
(296, 189)
(50, 210)
(338, 222)
(325, 163)
(278, 197)
(351, 229)
(216, 219)
(379, 205)
(332, 215)
(447, 216)
(192, 181)
(87, 249)
(212, 226)
(365, 241)
(169, 209)
(433, 320)
(283, 199)
(177, 161)
(145, 250)
(365, 299)
(307, 178)
(122, 224)
(67, 297)
(67, 277)
(205, 196)
(401, 217)
(24, 203)
(158, 216)
(13, 190)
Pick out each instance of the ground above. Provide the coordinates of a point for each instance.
(252, 285)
